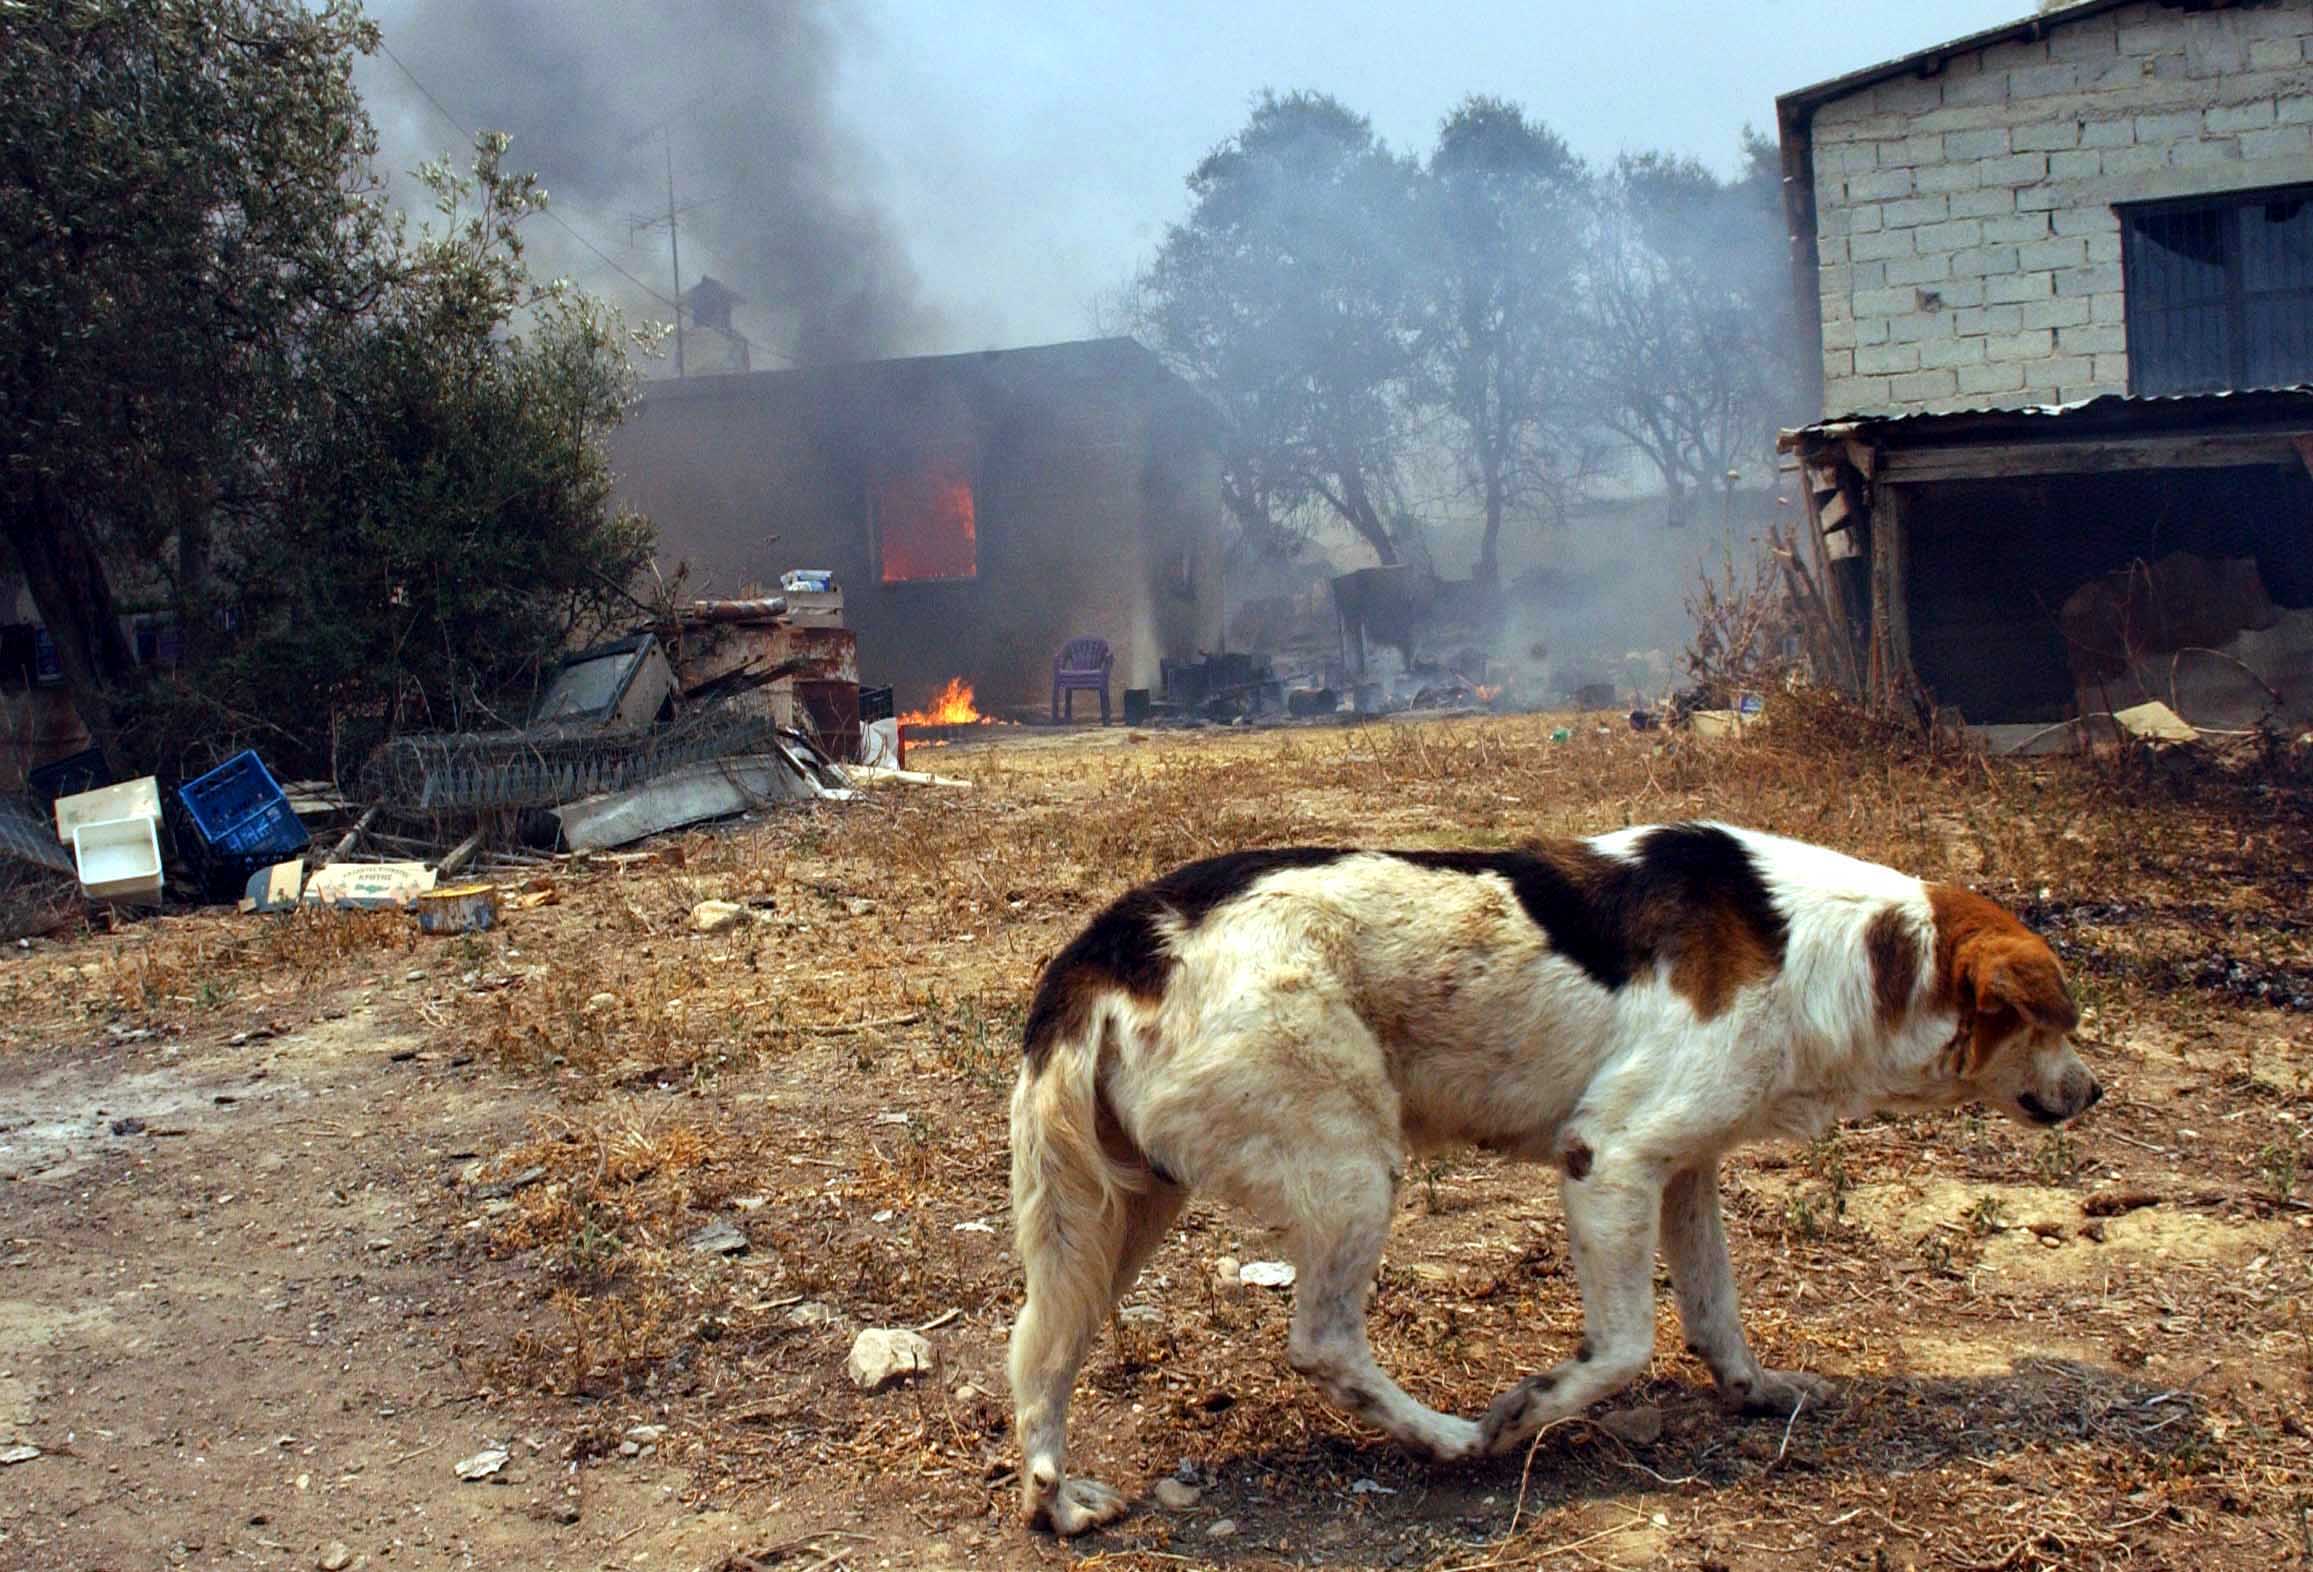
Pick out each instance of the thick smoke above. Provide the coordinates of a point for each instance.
(593, 95)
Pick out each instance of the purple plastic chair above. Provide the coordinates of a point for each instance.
(1082, 666)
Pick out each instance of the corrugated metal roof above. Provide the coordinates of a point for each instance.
(2107, 413)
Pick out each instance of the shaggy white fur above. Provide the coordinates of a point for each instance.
(1628, 1008)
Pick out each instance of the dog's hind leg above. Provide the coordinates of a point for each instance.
(1694, 1241)
(1337, 1245)
(1612, 1211)
(1148, 1218)
(1085, 1219)
(1069, 1279)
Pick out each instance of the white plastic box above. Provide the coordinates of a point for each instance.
(128, 800)
(119, 859)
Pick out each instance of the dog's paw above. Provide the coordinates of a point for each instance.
(1078, 1507)
(1781, 1393)
(1512, 1418)
(1448, 1440)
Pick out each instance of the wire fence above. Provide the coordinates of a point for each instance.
(546, 767)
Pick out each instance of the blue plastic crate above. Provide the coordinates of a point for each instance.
(268, 836)
(239, 813)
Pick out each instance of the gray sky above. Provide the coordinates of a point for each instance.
(1026, 157)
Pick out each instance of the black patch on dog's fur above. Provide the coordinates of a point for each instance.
(1701, 864)
(1124, 946)
(1576, 1158)
(1558, 894)
(1195, 889)
(1610, 915)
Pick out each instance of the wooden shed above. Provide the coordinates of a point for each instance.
(1959, 540)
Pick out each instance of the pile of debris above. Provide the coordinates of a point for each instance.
(723, 707)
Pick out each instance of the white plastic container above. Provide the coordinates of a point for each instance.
(120, 859)
(139, 799)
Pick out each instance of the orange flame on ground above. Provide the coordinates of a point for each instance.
(952, 706)
(1487, 692)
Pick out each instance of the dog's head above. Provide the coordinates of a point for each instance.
(2012, 1046)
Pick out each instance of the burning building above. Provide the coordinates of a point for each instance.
(978, 510)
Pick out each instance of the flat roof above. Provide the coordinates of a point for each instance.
(1801, 102)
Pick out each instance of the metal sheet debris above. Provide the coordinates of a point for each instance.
(692, 795)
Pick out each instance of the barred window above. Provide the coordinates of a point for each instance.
(2220, 291)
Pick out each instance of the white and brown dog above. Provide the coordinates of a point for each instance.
(1279, 1027)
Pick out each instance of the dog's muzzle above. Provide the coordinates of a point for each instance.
(2072, 1108)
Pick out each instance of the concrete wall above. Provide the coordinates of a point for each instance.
(1097, 506)
(1971, 254)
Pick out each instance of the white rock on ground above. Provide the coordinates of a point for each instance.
(884, 1354)
(715, 916)
(482, 1464)
(1176, 1496)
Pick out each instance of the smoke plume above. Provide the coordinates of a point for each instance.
(769, 185)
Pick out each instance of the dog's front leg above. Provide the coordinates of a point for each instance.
(1695, 1244)
(1613, 1205)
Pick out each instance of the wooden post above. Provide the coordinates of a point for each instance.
(361, 826)
(1893, 683)
(1839, 640)
(460, 855)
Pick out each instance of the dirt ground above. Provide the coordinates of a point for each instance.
(299, 1214)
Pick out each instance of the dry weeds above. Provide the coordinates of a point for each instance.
(2032, 1373)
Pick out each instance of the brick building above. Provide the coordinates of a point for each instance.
(2059, 276)
(2105, 198)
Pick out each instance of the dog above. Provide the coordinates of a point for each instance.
(1280, 1027)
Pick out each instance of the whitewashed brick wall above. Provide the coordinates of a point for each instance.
(1970, 251)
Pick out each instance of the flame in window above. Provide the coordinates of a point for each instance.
(927, 523)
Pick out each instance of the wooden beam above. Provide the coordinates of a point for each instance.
(2109, 455)
(1892, 681)
(459, 855)
(1863, 457)
(1835, 515)
(361, 826)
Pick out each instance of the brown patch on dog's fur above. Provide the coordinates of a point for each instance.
(1894, 952)
(1997, 974)
(1717, 950)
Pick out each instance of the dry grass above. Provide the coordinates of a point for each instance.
(2027, 1382)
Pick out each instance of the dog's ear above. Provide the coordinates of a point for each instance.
(2004, 985)
(2023, 975)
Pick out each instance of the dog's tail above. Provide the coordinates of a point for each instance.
(1076, 1177)
(1074, 1170)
